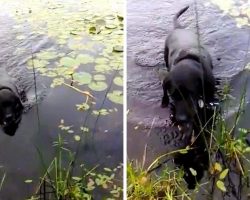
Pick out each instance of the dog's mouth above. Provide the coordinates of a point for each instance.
(15, 120)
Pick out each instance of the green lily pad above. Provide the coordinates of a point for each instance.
(100, 22)
(118, 81)
(99, 77)
(120, 18)
(116, 97)
(68, 62)
(110, 17)
(77, 138)
(94, 30)
(57, 82)
(46, 55)
(101, 60)
(98, 86)
(82, 107)
(118, 48)
(111, 26)
(82, 78)
(37, 63)
(102, 68)
(84, 59)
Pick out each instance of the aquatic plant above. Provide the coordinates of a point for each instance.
(65, 179)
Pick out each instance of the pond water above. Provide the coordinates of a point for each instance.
(224, 34)
(66, 43)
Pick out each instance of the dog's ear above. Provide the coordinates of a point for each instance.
(166, 85)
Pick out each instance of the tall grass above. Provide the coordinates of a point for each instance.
(227, 150)
(65, 180)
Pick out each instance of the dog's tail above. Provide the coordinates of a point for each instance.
(176, 23)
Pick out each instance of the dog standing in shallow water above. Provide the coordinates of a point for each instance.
(190, 82)
(10, 105)
(190, 85)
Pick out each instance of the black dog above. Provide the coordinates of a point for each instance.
(11, 107)
(190, 82)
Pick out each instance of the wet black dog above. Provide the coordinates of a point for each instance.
(190, 83)
(10, 105)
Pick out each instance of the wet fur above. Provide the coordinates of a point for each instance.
(10, 104)
(190, 76)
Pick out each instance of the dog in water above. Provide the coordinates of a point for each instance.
(189, 83)
(11, 107)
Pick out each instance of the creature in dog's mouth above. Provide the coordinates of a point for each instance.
(11, 110)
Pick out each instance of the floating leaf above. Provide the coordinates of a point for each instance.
(116, 96)
(221, 186)
(47, 55)
(110, 17)
(111, 26)
(118, 48)
(120, 17)
(94, 30)
(98, 86)
(68, 62)
(102, 68)
(82, 78)
(82, 107)
(118, 81)
(77, 138)
(100, 22)
(84, 59)
(223, 174)
(99, 77)
(101, 60)
(57, 82)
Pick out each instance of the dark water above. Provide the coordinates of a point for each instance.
(148, 25)
(39, 127)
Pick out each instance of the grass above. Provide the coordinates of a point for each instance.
(64, 180)
(227, 151)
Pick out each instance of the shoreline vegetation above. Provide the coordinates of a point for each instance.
(228, 156)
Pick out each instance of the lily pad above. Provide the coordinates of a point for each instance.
(82, 78)
(84, 59)
(77, 138)
(118, 81)
(101, 60)
(98, 86)
(102, 68)
(111, 26)
(47, 55)
(118, 48)
(116, 97)
(68, 62)
(99, 77)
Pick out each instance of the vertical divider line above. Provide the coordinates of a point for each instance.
(125, 102)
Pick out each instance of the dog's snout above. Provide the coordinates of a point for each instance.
(181, 118)
(8, 117)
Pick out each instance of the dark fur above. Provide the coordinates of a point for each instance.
(190, 76)
(10, 105)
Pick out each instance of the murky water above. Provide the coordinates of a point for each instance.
(24, 32)
(148, 25)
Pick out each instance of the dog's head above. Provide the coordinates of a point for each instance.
(185, 95)
(10, 111)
